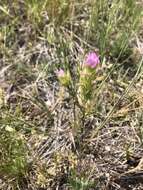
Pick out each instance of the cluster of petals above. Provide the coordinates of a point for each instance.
(60, 73)
(92, 60)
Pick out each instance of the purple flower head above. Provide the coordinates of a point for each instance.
(60, 73)
(92, 60)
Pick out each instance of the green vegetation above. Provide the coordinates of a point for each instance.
(71, 93)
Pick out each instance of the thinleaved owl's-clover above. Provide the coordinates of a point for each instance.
(92, 60)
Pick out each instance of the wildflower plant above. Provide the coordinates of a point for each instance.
(52, 136)
(85, 82)
(87, 78)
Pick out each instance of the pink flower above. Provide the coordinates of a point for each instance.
(60, 73)
(92, 60)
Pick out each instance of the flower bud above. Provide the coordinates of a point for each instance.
(64, 77)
